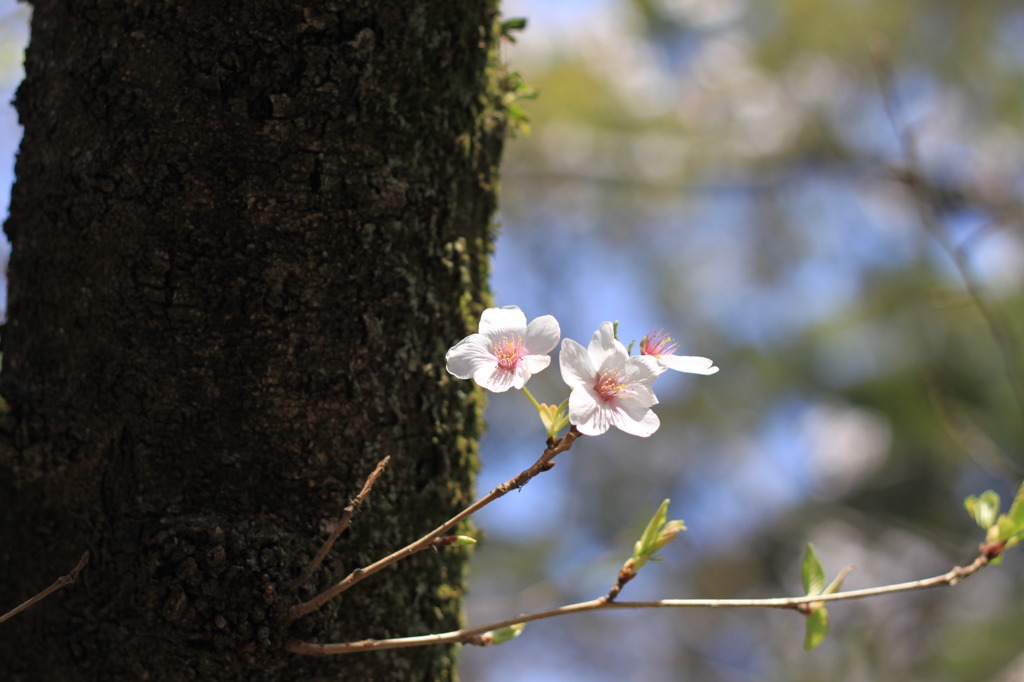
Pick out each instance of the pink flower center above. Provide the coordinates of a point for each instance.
(509, 352)
(658, 343)
(610, 383)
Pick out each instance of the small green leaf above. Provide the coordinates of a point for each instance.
(1016, 513)
(983, 508)
(817, 628)
(656, 535)
(1007, 528)
(646, 540)
(812, 573)
(554, 417)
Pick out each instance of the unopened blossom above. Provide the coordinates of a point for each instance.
(506, 351)
(609, 388)
(663, 347)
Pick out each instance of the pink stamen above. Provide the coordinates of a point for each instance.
(658, 343)
(509, 352)
(610, 384)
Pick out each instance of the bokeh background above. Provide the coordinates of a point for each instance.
(824, 197)
(808, 192)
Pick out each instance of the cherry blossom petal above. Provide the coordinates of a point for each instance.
(536, 363)
(575, 364)
(637, 399)
(496, 379)
(604, 349)
(647, 424)
(496, 323)
(467, 355)
(542, 335)
(585, 411)
(643, 369)
(689, 363)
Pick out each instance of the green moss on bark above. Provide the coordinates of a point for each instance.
(240, 252)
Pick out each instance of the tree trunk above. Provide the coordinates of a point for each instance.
(244, 235)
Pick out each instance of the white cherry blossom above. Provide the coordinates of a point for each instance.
(506, 351)
(609, 388)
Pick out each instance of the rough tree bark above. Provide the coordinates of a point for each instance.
(244, 235)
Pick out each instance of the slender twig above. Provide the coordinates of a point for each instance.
(472, 635)
(544, 463)
(626, 573)
(929, 209)
(346, 518)
(57, 584)
(616, 588)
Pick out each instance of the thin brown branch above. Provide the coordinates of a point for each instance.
(346, 518)
(544, 463)
(626, 573)
(57, 584)
(472, 635)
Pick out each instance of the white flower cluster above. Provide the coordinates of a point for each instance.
(609, 387)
